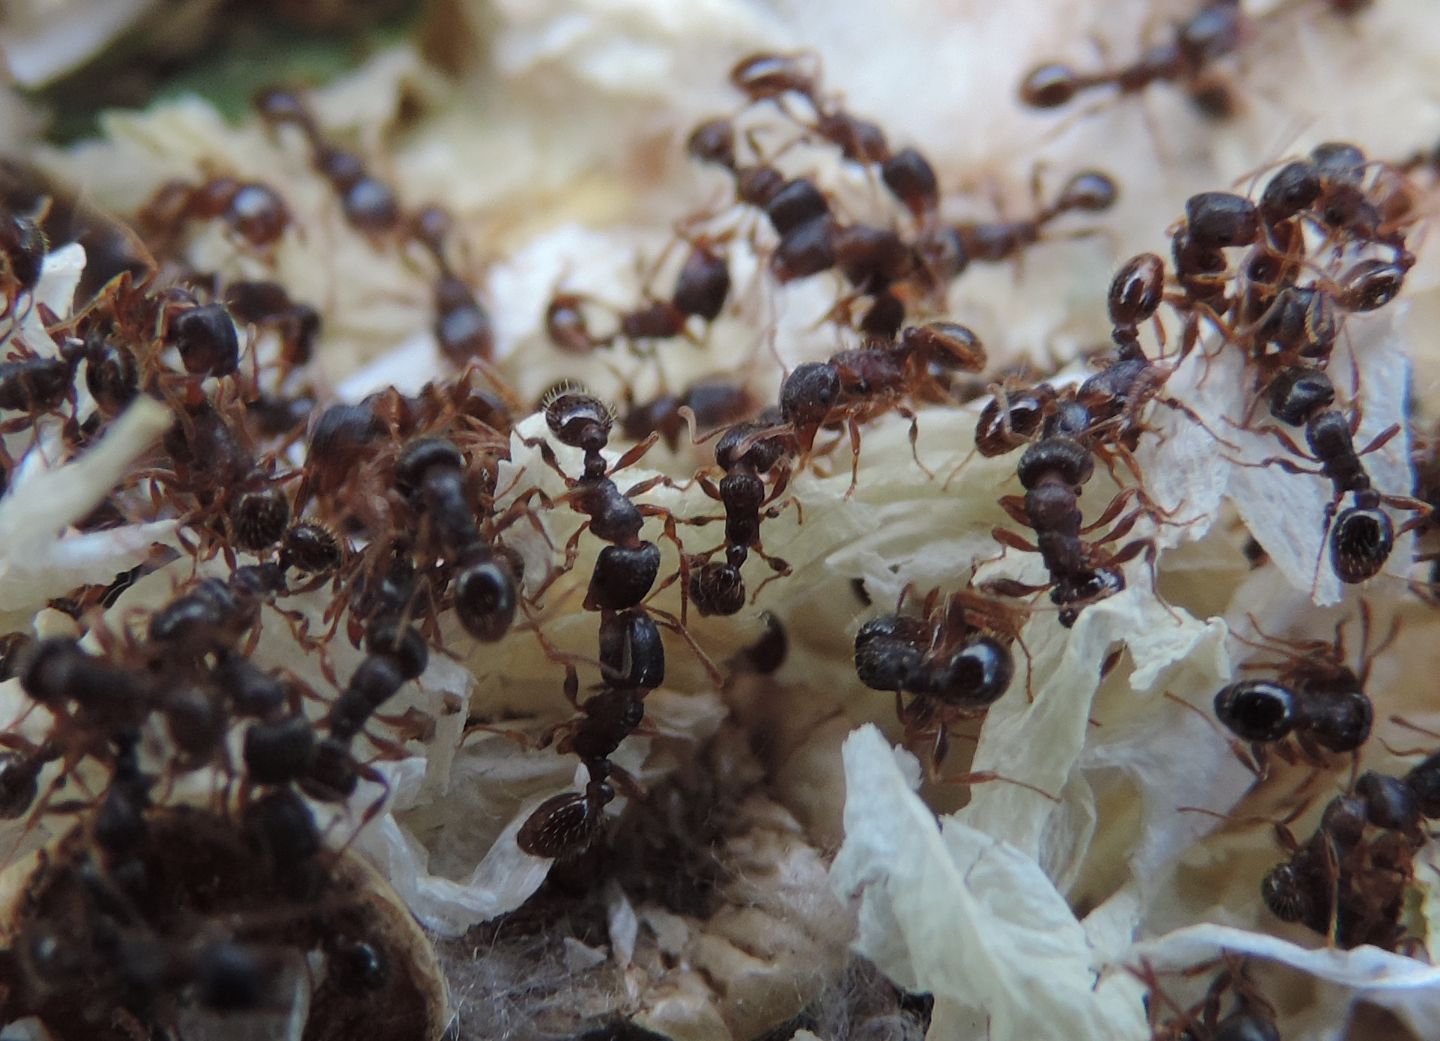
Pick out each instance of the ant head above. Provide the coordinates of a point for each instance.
(1099, 584)
(577, 418)
(1292, 188)
(1338, 721)
(1218, 219)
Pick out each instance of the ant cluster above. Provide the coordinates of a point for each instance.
(378, 523)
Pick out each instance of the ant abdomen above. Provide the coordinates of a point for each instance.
(1050, 86)
(1064, 457)
(565, 825)
(974, 677)
(1360, 543)
(259, 518)
(632, 654)
(622, 577)
(579, 420)
(717, 589)
(1257, 710)
(279, 751)
(206, 339)
(485, 596)
(1298, 393)
(1137, 290)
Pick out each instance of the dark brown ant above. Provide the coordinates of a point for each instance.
(268, 305)
(1361, 536)
(216, 614)
(485, 594)
(1216, 30)
(1349, 880)
(251, 210)
(953, 658)
(747, 456)
(860, 384)
(1314, 696)
(235, 493)
(581, 421)
(1090, 191)
(34, 386)
(369, 204)
(1053, 471)
(1251, 1018)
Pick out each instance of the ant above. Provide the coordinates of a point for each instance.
(954, 659)
(369, 204)
(1347, 882)
(268, 305)
(1090, 191)
(251, 210)
(747, 453)
(857, 385)
(701, 289)
(1361, 536)
(1053, 470)
(1314, 696)
(1216, 30)
(432, 472)
(1252, 1018)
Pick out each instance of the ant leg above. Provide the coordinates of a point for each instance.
(674, 625)
(547, 454)
(1237, 748)
(1010, 587)
(1380, 440)
(1014, 506)
(635, 453)
(914, 436)
(1288, 465)
(986, 776)
(1011, 540)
